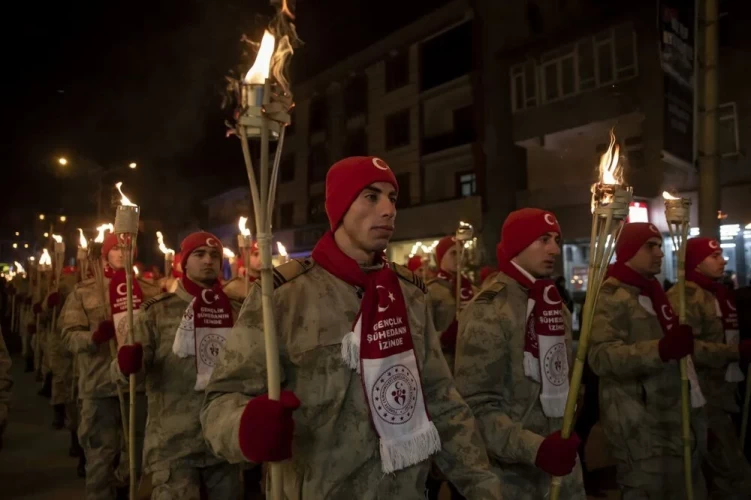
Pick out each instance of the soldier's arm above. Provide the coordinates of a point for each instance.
(701, 315)
(240, 375)
(481, 370)
(463, 458)
(74, 325)
(610, 354)
(6, 382)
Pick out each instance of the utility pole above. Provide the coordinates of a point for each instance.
(709, 168)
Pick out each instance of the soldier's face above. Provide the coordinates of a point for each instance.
(713, 266)
(450, 260)
(255, 260)
(204, 264)
(538, 259)
(116, 258)
(369, 223)
(648, 260)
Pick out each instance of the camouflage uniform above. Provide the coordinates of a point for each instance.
(60, 359)
(489, 373)
(6, 383)
(235, 289)
(442, 295)
(335, 449)
(640, 399)
(175, 452)
(39, 340)
(731, 473)
(100, 428)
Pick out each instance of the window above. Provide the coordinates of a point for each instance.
(318, 114)
(446, 56)
(287, 215)
(287, 169)
(397, 71)
(357, 143)
(356, 96)
(588, 64)
(318, 162)
(466, 183)
(397, 129)
(317, 209)
(728, 143)
(403, 201)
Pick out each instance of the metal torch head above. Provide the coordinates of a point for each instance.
(126, 219)
(678, 211)
(252, 115)
(464, 232)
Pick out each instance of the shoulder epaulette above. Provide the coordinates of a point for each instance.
(440, 282)
(409, 276)
(291, 270)
(154, 300)
(488, 293)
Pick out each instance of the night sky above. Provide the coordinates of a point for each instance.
(115, 82)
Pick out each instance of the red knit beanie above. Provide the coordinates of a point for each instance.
(633, 236)
(110, 242)
(444, 245)
(347, 178)
(414, 263)
(522, 228)
(698, 249)
(197, 240)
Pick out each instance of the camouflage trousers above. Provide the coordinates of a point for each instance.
(220, 481)
(728, 470)
(101, 437)
(61, 365)
(527, 482)
(659, 478)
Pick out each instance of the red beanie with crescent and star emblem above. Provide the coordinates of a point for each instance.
(698, 249)
(522, 227)
(443, 246)
(347, 177)
(633, 236)
(414, 263)
(110, 242)
(197, 240)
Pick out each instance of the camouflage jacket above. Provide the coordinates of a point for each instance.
(489, 373)
(640, 395)
(59, 355)
(711, 353)
(173, 431)
(82, 312)
(335, 449)
(6, 382)
(235, 289)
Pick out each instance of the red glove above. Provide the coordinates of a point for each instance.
(448, 338)
(37, 308)
(130, 358)
(557, 456)
(104, 332)
(53, 300)
(744, 348)
(31, 328)
(677, 344)
(266, 428)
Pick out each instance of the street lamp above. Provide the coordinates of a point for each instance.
(15, 245)
(132, 165)
(41, 216)
(62, 161)
(46, 235)
(63, 218)
(26, 245)
(18, 234)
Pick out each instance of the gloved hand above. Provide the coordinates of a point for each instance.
(37, 308)
(53, 300)
(744, 348)
(104, 332)
(130, 358)
(448, 338)
(677, 344)
(266, 428)
(557, 456)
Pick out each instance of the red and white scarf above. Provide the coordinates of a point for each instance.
(118, 291)
(380, 348)
(466, 292)
(204, 328)
(653, 298)
(545, 338)
(725, 307)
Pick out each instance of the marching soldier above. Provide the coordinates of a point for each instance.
(177, 340)
(512, 364)
(635, 347)
(375, 404)
(169, 283)
(711, 313)
(86, 333)
(6, 384)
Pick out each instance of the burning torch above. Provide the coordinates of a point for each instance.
(283, 255)
(59, 249)
(230, 255)
(264, 115)
(126, 229)
(169, 254)
(45, 265)
(464, 233)
(19, 270)
(81, 255)
(244, 242)
(610, 200)
(677, 217)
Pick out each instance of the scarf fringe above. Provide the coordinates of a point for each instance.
(351, 351)
(397, 454)
(532, 367)
(553, 405)
(697, 397)
(734, 373)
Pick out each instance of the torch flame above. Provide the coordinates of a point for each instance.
(162, 246)
(285, 10)
(610, 171)
(669, 196)
(243, 225)
(228, 253)
(135, 270)
(124, 199)
(282, 250)
(82, 239)
(57, 238)
(102, 229)
(259, 72)
(45, 259)
(19, 267)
